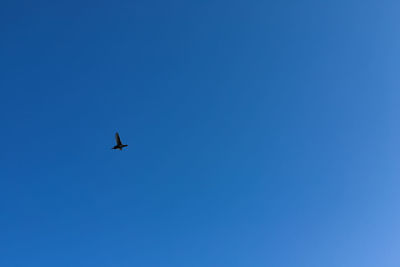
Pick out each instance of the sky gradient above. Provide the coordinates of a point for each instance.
(260, 133)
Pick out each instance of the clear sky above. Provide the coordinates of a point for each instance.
(260, 133)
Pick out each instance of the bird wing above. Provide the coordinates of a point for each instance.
(117, 139)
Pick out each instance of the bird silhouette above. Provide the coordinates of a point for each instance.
(119, 143)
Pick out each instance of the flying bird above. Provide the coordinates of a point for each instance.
(119, 143)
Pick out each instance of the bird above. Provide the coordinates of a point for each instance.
(119, 143)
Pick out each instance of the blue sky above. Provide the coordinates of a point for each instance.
(260, 133)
